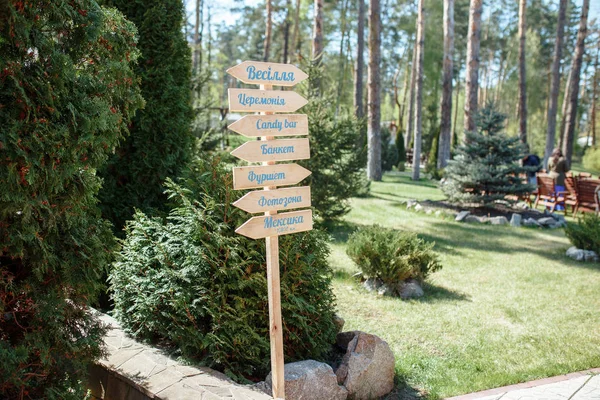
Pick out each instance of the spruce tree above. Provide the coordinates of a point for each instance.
(160, 140)
(487, 166)
(67, 92)
(401, 150)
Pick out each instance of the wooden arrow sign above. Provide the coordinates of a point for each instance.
(256, 100)
(271, 125)
(268, 175)
(277, 225)
(265, 73)
(273, 150)
(275, 200)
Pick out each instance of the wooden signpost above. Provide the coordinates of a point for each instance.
(259, 100)
(268, 151)
(271, 125)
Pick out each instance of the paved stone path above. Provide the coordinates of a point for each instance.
(158, 376)
(576, 386)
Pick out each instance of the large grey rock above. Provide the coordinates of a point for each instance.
(367, 369)
(546, 221)
(515, 220)
(531, 222)
(499, 220)
(372, 284)
(411, 203)
(461, 216)
(476, 219)
(582, 255)
(410, 289)
(309, 380)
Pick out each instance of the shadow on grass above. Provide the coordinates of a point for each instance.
(403, 391)
(435, 293)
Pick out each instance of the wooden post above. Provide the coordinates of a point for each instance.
(274, 293)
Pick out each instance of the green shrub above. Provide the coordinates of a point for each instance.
(338, 152)
(389, 151)
(390, 255)
(591, 158)
(487, 166)
(401, 150)
(585, 234)
(160, 141)
(67, 92)
(196, 283)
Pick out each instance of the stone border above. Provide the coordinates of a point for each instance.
(134, 371)
(525, 385)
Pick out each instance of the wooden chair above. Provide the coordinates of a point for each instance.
(547, 192)
(587, 197)
(571, 193)
(584, 175)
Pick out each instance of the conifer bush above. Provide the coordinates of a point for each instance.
(585, 234)
(338, 152)
(401, 150)
(67, 92)
(487, 166)
(192, 281)
(160, 141)
(591, 158)
(392, 256)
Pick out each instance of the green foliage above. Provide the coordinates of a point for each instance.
(401, 150)
(591, 158)
(585, 234)
(338, 153)
(196, 283)
(432, 159)
(389, 151)
(390, 255)
(160, 142)
(67, 91)
(487, 166)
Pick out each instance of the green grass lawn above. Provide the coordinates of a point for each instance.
(507, 307)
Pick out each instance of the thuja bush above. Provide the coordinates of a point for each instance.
(392, 256)
(338, 152)
(591, 158)
(585, 234)
(67, 91)
(160, 140)
(192, 281)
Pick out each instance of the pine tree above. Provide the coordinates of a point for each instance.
(67, 92)
(487, 166)
(160, 142)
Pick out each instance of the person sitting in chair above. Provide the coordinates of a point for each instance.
(558, 168)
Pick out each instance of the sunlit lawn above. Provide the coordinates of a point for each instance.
(507, 307)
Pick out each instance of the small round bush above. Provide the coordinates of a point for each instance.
(195, 283)
(392, 256)
(585, 234)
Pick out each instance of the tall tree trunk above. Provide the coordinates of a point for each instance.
(411, 103)
(445, 141)
(565, 106)
(296, 30)
(574, 95)
(522, 72)
(419, 92)
(209, 46)
(286, 31)
(472, 85)
(342, 56)
(594, 96)
(360, 61)
(269, 28)
(318, 32)
(402, 106)
(374, 93)
(198, 36)
(455, 109)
